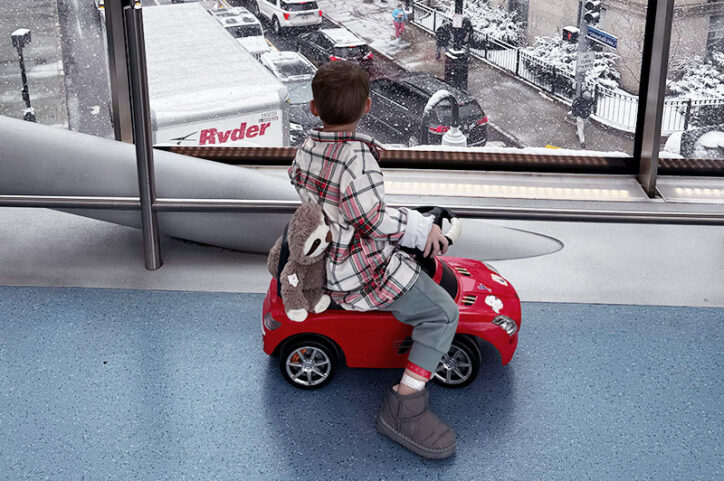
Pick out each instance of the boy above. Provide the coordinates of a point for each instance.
(337, 168)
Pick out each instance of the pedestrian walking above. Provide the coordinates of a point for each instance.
(581, 109)
(462, 36)
(443, 35)
(399, 18)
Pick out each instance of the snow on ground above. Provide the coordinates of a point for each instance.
(498, 23)
(370, 21)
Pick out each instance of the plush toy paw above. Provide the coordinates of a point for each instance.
(322, 304)
(297, 315)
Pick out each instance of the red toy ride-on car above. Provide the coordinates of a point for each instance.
(310, 351)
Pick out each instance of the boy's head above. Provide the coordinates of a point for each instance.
(341, 92)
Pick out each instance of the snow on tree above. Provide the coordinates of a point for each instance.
(699, 78)
(563, 56)
(487, 19)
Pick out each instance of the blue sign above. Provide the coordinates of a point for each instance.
(602, 37)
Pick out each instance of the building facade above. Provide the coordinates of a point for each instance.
(698, 28)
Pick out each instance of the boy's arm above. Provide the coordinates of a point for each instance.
(362, 203)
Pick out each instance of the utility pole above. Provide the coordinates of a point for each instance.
(21, 37)
(583, 47)
(590, 14)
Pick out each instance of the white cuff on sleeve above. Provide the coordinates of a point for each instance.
(417, 230)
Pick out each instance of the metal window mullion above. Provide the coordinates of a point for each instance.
(652, 90)
(118, 71)
(141, 114)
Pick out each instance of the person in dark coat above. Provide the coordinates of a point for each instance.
(581, 109)
(443, 35)
(461, 36)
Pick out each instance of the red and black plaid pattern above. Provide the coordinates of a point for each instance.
(365, 268)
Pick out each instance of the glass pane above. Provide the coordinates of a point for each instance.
(693, 123)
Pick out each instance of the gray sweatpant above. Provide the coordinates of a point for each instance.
(434, 315)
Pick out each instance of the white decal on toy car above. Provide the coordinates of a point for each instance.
(498, 279)
(293, 280)
(494, 303)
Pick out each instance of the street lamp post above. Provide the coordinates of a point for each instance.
(21, 37)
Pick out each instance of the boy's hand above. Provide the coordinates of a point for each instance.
(436, 242)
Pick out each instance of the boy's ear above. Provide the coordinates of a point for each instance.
(313, 108)
(368, 105)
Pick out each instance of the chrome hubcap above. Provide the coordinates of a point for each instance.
(455, 366)
(308, 366)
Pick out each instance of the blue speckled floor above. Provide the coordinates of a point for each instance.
(156, 385)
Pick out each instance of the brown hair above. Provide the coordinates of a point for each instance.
(340, 92)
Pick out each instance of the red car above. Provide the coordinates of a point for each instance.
(310, 351)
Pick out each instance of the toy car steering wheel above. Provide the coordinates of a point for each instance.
(439, 214)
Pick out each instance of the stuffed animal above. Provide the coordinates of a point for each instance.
(303, 278)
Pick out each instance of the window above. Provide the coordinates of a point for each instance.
(298, 7)
(521, 72)
(693, 124)
(241, 31)
(715, 39)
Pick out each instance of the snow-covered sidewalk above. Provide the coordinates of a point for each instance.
(414, 50)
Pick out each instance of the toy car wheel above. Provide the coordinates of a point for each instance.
(460, 366)
(307, 364)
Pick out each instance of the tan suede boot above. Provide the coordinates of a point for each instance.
(408, 421)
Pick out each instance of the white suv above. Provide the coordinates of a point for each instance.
(285, 14)
(244, 27)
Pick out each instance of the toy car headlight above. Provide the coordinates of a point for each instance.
(507, 324)
(270, 323)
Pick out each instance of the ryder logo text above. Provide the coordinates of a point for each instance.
(211, 136)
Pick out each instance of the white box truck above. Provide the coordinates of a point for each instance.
(205, 89)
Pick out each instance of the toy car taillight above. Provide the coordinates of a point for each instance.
(482, 121)
(270, 323)
(507, 324)
(286, 16)
(334, 58)
(440, 129)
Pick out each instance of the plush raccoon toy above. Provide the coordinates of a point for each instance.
(302, 276)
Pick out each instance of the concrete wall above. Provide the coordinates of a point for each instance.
(546, 18)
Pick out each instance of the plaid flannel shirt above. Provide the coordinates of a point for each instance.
(365, 268)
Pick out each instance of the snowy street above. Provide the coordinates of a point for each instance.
(519, 114)
(522, 113)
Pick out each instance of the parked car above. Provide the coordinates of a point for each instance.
(244, 27)
(287, 14)
(296, 73)
(330, 44)
(309, 352)
(398, 105)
